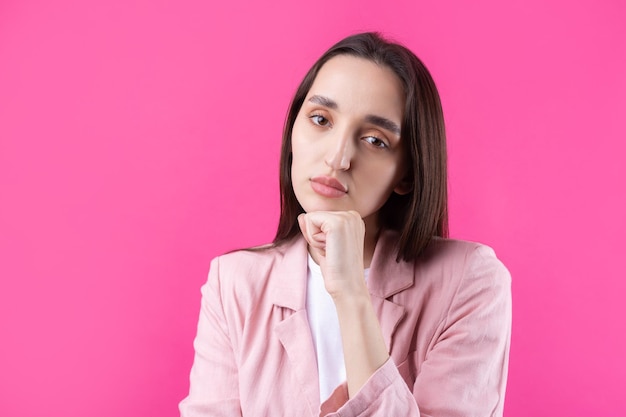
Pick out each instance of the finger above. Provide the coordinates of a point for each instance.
(320, 237)
(302, 223)
(313, 235)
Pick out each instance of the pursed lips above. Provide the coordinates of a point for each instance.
(328, 186)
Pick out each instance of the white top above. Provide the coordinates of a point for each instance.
(322, 316)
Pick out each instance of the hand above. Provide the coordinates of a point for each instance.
(335, 240)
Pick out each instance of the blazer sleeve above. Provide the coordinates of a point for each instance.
(464, 374)
(213, 387)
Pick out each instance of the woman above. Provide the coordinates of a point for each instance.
(361, 306)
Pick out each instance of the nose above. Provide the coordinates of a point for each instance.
(340, 153)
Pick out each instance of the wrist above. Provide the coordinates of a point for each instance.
(355, 301)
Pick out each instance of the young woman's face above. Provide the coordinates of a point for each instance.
(346, 142)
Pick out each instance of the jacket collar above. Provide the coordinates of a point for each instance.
(388, 277)
(290, 271)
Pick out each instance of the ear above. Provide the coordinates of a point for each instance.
(404, 187)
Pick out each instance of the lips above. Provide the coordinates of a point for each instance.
(328, 186)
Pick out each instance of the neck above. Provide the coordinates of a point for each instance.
(371, 236)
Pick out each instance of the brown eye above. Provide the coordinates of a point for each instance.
(373, 140)
(319, 120)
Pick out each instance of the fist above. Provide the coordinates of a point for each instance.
(335, 241)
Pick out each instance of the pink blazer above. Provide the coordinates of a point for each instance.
(446, 319)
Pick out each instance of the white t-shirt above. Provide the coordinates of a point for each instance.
(325, 331)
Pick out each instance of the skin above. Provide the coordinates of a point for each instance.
(349, 129)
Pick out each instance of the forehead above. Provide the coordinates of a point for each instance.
(360, 86)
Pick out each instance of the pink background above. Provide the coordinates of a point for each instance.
(139, 139)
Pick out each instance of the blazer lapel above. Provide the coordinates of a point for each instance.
(389, 315)
(387, 278)
(289, 295)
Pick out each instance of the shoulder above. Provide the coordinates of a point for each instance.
(252, 263)
(253, 271)
(243, 261)
(443, 267)
(463, 258)
(451, 269)
(469, 274)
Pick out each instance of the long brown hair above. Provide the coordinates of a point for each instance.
(420, 214)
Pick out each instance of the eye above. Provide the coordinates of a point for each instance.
(319, 120)
(374, 141)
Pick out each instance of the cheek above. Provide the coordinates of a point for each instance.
(305, 151)
(382, 172)
(298, 127)
(297, 144)
(299, 158)
(384, 178)
(397, 168)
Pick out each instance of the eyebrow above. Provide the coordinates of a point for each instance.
(383, 123)
(379, 121)
(324, 101)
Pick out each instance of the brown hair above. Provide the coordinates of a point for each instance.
(420, 214)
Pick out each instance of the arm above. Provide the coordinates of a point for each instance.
(466, 371)
(464, 374)
(336, 241)
(213, 388)
(364, 348)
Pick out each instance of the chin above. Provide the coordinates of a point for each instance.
(323, 206)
